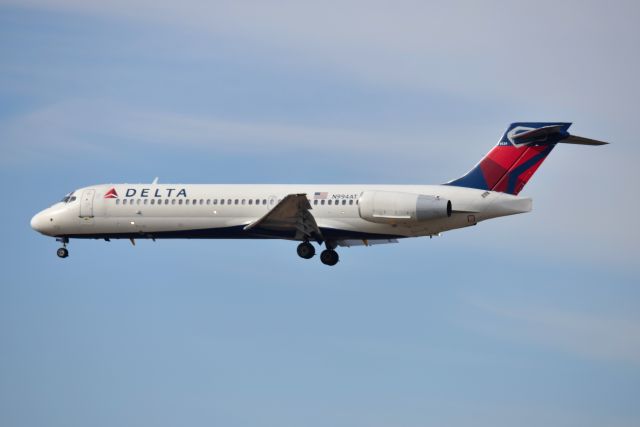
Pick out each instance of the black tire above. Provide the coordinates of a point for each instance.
(62, 252)
(306, 250)
(329, 257)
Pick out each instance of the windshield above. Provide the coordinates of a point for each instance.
(68, 198)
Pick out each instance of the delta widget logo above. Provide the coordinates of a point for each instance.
(111, 194)
(516, 131)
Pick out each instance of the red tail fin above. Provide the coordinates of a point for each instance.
(519, 153)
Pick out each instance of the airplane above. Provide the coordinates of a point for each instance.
(333, 215)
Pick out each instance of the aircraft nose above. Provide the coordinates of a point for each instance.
(40, 223)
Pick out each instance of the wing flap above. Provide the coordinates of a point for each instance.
(365, 242)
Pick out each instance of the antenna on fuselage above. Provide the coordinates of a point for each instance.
(155, 181)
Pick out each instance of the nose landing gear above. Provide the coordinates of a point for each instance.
(63, 252)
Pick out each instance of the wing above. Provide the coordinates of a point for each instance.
(291, 217)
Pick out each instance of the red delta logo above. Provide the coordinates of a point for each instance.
(111, 194)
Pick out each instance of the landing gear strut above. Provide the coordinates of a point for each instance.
(306, 250)
(63, 252)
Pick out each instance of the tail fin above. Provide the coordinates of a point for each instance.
(519, 153)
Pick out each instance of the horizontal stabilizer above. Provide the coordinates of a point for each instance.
(540, 134)
(558, 133)
(573, 139)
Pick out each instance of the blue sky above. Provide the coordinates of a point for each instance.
(524, 320)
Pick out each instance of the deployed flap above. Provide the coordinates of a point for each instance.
(292, 216)
(365, 242)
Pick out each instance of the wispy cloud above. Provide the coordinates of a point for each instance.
(73, 126)
(465, 47)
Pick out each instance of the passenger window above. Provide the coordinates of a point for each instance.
(244, 201)
(153, 201)
(228, 201)
(264, 201)
(250, 201)
(146, 201)
(208, 201)
(186, 202)
(180, 201)
(215, 201)
(328, 202)
(322, 202)
(236, 201)
(202, 201)
(173, 201)
(344, 202)
(315, 202)
(351, 201)
(117, 201)
(257, 201)
(222, 201)
(124, 202)
(166, 201)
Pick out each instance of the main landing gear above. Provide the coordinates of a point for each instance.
(306, 250)
(328, 257)
(63, 252)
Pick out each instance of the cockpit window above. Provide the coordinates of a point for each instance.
(68, 198)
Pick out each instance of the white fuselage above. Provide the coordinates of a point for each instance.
(223, 211)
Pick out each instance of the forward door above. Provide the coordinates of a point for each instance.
(86, 203)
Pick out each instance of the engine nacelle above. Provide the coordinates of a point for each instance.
(391, 207)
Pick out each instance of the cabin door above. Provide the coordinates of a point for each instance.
(86, 203)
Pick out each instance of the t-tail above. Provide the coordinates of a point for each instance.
(519, 153)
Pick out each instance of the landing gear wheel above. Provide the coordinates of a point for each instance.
(62, 252)
(306, 250)
(329, 257)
